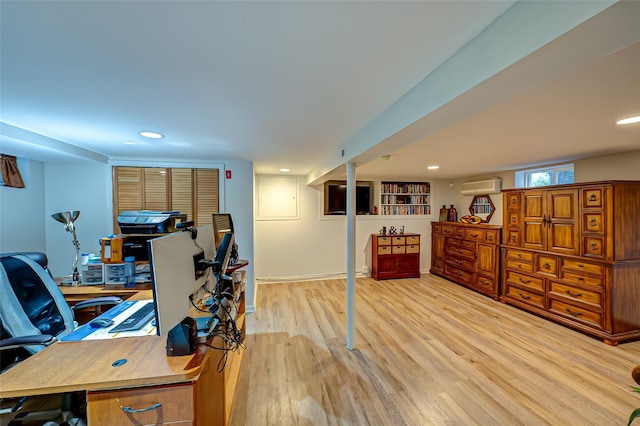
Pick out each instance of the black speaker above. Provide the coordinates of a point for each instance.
(183, 338)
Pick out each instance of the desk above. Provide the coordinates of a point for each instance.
(75, 294)
(188, 387)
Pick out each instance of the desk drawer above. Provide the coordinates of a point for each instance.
(176, 404)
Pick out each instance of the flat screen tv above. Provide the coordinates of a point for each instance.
(335, 197)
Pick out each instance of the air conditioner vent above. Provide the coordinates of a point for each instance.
(491, 186)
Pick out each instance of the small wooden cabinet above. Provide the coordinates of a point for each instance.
(395, 256)
(571, 253)
(467, 254)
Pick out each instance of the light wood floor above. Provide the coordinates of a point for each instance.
(429, 352)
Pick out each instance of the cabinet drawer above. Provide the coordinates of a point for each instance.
(167, 404)
(577, 294)
(520, 266)
(593, 222)
(525, 296)
(592, 197)
(474, 234)
(398, 241)
(449, 230)
(577, 278)
(458, 275)
(512, 237)
(593, 246)
(521, 280)
(384, 250)
(520, 255)
(486, 284)
(384, 241)
(547, 265)
(437, 265)
(513, 201)
(437, 230)
(413, 248)
(398, 249)
(460, 251)
(459, 262)
(576, 313)
(414, 239)
(492, 236)
(579, 265)
(471, 245)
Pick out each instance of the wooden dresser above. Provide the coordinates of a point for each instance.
(395, 256)
(571, 253)
(467, 254)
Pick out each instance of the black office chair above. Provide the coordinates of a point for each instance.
(33, 312)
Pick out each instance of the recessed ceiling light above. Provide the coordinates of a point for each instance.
(152, 135)
(129, 143)
(629, 120)
(433, 167)
(285, 170)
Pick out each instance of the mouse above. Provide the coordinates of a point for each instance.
(101, 322)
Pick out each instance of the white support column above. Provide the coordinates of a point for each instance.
(351, 255)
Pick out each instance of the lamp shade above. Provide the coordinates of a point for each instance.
(67, 217)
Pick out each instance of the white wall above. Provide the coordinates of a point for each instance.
(83, 186)
(22, 218)
(314, 246)
(624, 166)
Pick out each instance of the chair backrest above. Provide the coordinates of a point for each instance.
(31, 301)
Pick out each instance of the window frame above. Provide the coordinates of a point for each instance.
(523, 178)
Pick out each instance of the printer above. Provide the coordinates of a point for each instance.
(149, 221)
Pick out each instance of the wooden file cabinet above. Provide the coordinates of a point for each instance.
(395, 256)
(467, 254)
(571, 253)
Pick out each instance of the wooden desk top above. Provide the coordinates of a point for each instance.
(88, 365)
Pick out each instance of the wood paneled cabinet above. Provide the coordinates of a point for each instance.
(467, 254)
(571, 253)
(395, 256)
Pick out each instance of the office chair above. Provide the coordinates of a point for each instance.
(33, 313)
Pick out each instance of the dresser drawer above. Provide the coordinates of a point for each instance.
(547, 265)
(486, 284)
(577, 294)
(414, 239)
(528, 281)
(165, 404)
(398, 249)
(458, 274)
(592, 197)
(413, 248)
(492, 236)
(576, 313)
(593, 222)
(579, 265)
(460, 262)
(471, 245)
(384, 249)
(577, 278)
(460, 251)
(474, 234)
(449, 231)
(593, 247)
(521, 295)
(384, 241)
(437, 230)
(512, 237)
(520, 255)
(520, 266)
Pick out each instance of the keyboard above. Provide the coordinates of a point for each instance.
(136, 320)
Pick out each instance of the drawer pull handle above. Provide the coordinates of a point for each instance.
(594, 222)
(459, 251)
(489, 237)
(141, 410)
(513, 238)
(474, 235)
(546, 265)
(458, 262)
(580, 279)
(593, 197)
(594, 246)
(580, 265)
(525, 297)
(458, 274)
(575, 314)
(574, 295)
(519, 255)
(523, 281)
(483, 282)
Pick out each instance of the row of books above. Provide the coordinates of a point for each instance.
(405, 209)
(405, 188)
(404, 199)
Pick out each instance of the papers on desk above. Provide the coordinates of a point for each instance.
(118, 314)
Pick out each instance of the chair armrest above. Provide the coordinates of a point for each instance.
(98, 301)
(19, 342)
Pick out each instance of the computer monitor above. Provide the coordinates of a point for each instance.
(221, 223)
(223, 252)
(176, 273)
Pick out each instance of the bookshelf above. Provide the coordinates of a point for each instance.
(405, 198)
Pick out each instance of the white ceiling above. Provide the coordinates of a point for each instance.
(287, 84)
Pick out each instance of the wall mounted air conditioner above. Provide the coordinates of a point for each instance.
(490, 186)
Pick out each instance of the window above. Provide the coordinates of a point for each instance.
(557, 175)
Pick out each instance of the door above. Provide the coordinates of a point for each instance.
(535, 205)
(487, 259)
(562, 229)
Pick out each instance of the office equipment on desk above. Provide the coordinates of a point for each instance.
(149, 221)
(178, 277)
(136, 320)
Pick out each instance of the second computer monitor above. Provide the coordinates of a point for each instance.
(221, 223)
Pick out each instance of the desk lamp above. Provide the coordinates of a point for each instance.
(68, 219)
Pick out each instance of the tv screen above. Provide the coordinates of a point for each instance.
(336, 198)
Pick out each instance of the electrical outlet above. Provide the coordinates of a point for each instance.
(365, 269)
